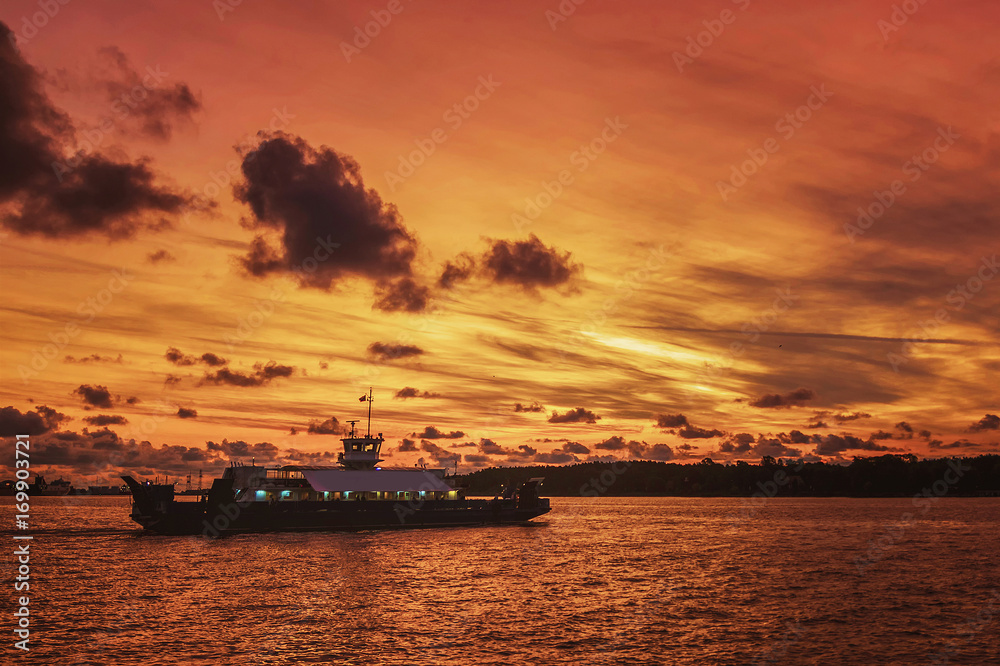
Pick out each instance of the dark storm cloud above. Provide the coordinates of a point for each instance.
(140, 100)
(575, 447)
(106, 420)
(331, 426)
(796, 398)
(578, 415)
(325, 225)
(44, 193)
(386, 352)
(410, 392)
(430, 432)
(261, 375)
(988, 422)
(671, 421)
(533, 407)
(187, 413)
(406, 445)
(43, 419)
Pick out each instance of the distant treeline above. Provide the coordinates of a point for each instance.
(881, 476)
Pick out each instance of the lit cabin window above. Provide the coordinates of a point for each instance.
(261, 494)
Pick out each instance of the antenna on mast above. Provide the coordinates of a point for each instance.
(369, 412)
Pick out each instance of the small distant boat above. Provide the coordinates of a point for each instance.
(357, 494)
(56, 488)
(108, 490)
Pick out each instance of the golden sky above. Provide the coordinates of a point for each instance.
(542, 232)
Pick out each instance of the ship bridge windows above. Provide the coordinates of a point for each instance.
(284, 474)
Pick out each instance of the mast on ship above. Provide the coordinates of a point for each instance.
(362, 452)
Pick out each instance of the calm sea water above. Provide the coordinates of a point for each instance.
(598, 580)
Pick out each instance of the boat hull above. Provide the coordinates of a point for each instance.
(179, 518)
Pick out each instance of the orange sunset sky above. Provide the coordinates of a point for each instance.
(542, 232)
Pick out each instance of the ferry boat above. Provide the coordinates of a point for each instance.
(356, 494)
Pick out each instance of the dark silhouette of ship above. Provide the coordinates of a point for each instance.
(356, 494)
(41, 487)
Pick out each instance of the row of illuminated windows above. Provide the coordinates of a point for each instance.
(283, 474)
(299, 495)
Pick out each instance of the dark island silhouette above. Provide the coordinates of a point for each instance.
(891, 475)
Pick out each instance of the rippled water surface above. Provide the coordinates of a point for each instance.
(598, 580)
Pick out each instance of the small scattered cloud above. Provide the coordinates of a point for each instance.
(105, 420)
(853, 416)
(177, 357)
(95, 358)
(387, 352)
(331, 426)
(797, 398)
(261, 375)
(533, 407)
(95, 396)
(430, 432)
(160, 256)
(692, 432)
(671, 421)
(528, 264)
(578, 415)
(410, 392)
(186, 413)
(439, 455)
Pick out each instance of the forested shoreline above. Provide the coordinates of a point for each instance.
(881, 476)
